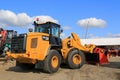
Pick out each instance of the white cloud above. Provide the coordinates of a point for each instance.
(9, 18)
(113, 35)
(109, 35)
(93, 36)
(66, 28)
(43, 19)
(92, 22)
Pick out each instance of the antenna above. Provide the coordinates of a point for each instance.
(86, 33)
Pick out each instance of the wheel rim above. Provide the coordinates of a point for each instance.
(54, 61)
(77, 59)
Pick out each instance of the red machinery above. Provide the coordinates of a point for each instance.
(100, 55)
(112, 52)
(5, 40)
(3, 35)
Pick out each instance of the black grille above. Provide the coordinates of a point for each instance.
(19, 44)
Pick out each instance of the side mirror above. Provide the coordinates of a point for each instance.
(0, 35)
(61, 31)
(30, 29)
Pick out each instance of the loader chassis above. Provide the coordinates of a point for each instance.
(44, 49)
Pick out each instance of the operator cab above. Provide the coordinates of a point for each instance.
(11, 33)
(52, 29)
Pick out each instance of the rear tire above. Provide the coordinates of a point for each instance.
(25, 66)
(76, 59)
(52, 62)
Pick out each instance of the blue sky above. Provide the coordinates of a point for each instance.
(69, 12)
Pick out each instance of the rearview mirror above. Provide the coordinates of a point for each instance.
(61, 31)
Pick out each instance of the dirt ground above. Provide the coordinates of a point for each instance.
(110, 71)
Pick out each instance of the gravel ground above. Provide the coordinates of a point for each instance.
(110, 71)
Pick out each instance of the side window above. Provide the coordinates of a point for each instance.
(34, 42)
(10, 34)
(55, 31)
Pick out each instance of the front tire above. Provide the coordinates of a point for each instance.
(52, 62)
(76, 59)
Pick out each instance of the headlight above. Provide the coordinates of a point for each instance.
(45, 38)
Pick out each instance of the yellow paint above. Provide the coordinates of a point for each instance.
(33, 54)
(42, 47)
(74, 42)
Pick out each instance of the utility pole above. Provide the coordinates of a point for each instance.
(86, 33)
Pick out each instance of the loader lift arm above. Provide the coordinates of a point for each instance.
(74, 42)
(77, 43)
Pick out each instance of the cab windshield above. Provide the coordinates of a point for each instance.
(43, 28)
(49, 28)
(10, 34)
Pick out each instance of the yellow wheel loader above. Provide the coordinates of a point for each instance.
(44, 49)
